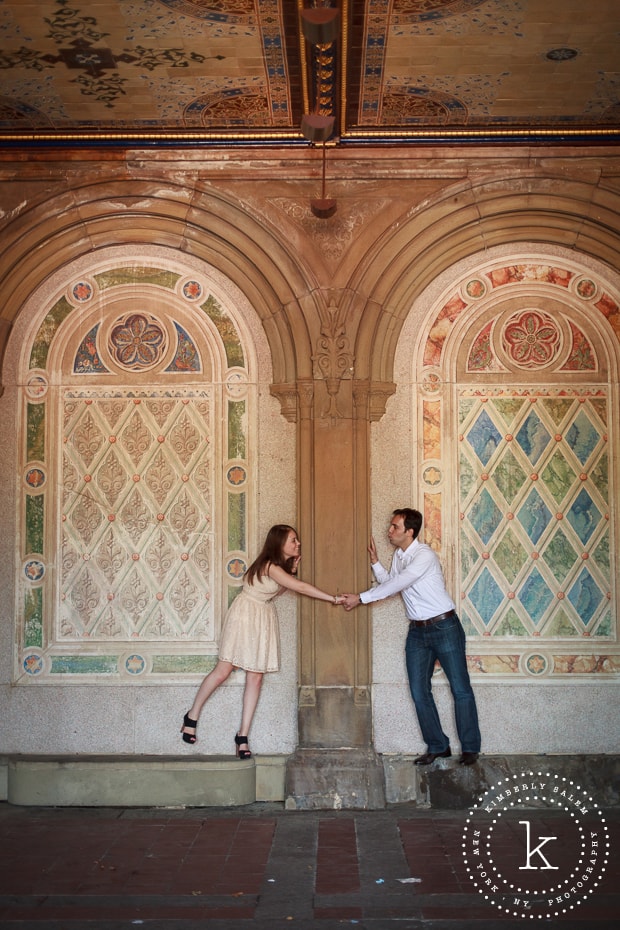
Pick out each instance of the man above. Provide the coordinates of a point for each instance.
(435, 632)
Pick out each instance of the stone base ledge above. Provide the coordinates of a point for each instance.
(446, 785)
(306, 780)
(142, 781)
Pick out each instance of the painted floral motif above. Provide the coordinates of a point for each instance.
(87, 358)
(186, 357)
(33, 664)
(236, 568)
(431, 383)
(481, 356)
(137, 342)
(475, 288)
(542, 274)
(135, 664)
(36, 386)
(586, 288)
(192, 290)
(236, 475)
(35, 478)
(432, 476)
(536, 664)
(34, 570)
(531, 339)
(225, 11)
(582, 357)
(436, 9)
(610, 310)
(82, 291)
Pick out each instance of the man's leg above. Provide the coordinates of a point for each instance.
(448, 638)
(420, 664)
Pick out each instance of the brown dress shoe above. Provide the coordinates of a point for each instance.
(429, 757)
(468, 758)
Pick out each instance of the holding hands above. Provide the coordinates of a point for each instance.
(351, 601)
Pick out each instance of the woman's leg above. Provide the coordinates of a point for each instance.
(211, 683)
(251, 694)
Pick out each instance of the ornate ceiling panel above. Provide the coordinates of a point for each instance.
(238, 71)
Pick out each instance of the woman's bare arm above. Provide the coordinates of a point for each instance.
(291, 583)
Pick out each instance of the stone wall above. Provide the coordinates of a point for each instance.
(449, 340)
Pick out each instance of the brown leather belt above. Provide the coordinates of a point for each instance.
(430, 620)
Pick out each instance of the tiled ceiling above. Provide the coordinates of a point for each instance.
(239, 71)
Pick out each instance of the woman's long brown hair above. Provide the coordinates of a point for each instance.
(271, 553)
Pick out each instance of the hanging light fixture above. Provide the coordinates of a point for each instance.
(317, 128)
(325, 206)
(319, 25)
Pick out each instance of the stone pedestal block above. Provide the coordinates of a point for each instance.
(336, 718)
(334, 780)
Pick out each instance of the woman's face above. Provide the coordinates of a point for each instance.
(292, 546)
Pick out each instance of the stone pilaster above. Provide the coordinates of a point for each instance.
(334, 712)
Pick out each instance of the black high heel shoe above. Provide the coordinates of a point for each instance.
(242, 753)
(188, 722)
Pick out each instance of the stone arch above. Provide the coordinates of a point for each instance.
(461, 221)
(204, 223)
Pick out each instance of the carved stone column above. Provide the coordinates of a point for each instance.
(333, 413)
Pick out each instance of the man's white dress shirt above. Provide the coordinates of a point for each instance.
(416, 574)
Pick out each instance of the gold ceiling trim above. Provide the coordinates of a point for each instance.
(303, 58)
(388, 135)
(294, 135)
(343, 63)
(153, 136)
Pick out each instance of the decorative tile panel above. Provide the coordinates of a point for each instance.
(135, 480)
(532, 439)
(533, 530)
(135, 520)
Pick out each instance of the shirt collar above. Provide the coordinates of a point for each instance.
(408, 552)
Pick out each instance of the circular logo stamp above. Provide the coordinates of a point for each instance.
(536, 846)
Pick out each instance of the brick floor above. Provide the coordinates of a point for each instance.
(262, 866)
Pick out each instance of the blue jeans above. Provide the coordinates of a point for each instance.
(445, 641)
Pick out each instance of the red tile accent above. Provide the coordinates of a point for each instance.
(337, 868)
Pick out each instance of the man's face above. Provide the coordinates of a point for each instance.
(398, 535)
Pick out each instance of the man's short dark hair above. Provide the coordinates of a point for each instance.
(412, 519)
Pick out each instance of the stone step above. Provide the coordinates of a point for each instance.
(306, 780)
(143, 781)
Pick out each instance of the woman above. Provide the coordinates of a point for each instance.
(250, 637)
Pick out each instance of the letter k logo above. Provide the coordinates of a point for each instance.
(537, 850)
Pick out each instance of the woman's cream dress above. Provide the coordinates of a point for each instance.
(251, 636)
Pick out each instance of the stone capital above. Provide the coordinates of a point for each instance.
(302, 400)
